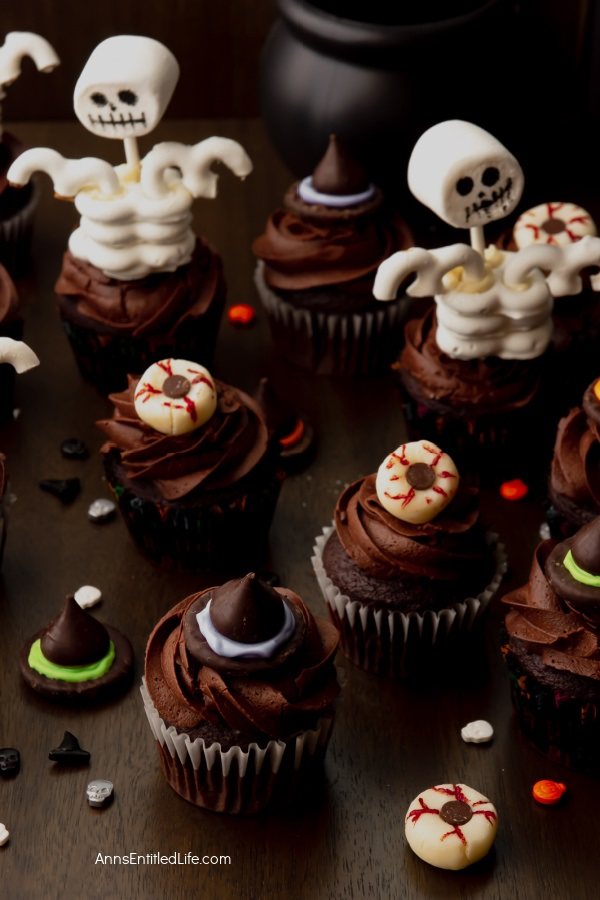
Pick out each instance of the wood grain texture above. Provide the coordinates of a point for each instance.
(345, 839)
(217, 46)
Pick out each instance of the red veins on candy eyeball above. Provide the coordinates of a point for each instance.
(241, 314)
(513, 490)
(548, 792)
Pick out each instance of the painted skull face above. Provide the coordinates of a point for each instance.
(125, 87)
(10, 761)
(466, 176)
(98, 792)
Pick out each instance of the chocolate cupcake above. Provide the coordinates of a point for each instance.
(194, 470)
(77, 658)
(116, 326)
(577, 317)
(239, 690)
(407, 566)
(574, 487)
(318, 258)
(11, 326)
(553, 649)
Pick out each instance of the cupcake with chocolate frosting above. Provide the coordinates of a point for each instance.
(239, 690)
(194, 468)
(575, 474)
(77, 658)
(553, 649)
(317, 261)
(406, 565)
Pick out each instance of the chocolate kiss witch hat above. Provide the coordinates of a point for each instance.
(573, 569)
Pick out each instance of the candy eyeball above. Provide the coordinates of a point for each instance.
(451, 826)
(175, 396)
(416, 482)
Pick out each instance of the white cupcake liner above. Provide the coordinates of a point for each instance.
(214, 778)
(334, 343)
(378, 639)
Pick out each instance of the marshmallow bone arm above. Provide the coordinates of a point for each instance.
(18, 354)
(69, 176)
(562, 263)
(194, 163)
(19, 44)
(430, 266)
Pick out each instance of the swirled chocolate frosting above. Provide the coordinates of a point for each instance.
(157, 304)
(479, 386)
(274, 698)
(540, 623)
(450, 548)
(575, 472)
(219, 453)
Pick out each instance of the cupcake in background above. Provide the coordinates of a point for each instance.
(193, 467)
(11, 326)
(552, 650)
(136, 283)
(407, 568)
(574, 487)
(17, 206)
(472, 369)
(16, 357)
(317, 261)
(576, 318)
(240, 689)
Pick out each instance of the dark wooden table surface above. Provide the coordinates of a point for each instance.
(390, 740)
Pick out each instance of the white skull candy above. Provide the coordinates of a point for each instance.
(416, 482)
(466, 176)
(125, 87)
(99, 792)
(477, 732)
(175, 396)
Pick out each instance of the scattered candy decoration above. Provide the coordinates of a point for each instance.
(87, 595)
(513, 490)
(99, 792)
(66, 489)
(477, 732)
(544, 532)
(451, 825)
(10, 762)
(241, 315)
(101, 510)
(69, 753)
(74, 448)
(290, 440)
(548, 792)
(4, 834)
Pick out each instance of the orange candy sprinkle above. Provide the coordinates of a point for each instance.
(513, 490)
(597, 390)
(241, 314)
(294, 437)
(548, 792)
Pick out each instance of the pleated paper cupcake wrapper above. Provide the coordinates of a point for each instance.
(16, 233)
(234, 780)
(333, 343)
(392, 642)
(564, 728)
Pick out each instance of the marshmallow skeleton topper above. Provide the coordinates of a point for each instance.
(489, 302)
(135, 218)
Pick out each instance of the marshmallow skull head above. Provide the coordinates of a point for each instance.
(99, 792)
(125, 86)
(464, 174)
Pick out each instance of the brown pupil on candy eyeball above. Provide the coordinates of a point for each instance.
(176, 386)
(420, 476)
(456, 812)
(553, 226)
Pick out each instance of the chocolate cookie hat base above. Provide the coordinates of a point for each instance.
(116, 680)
